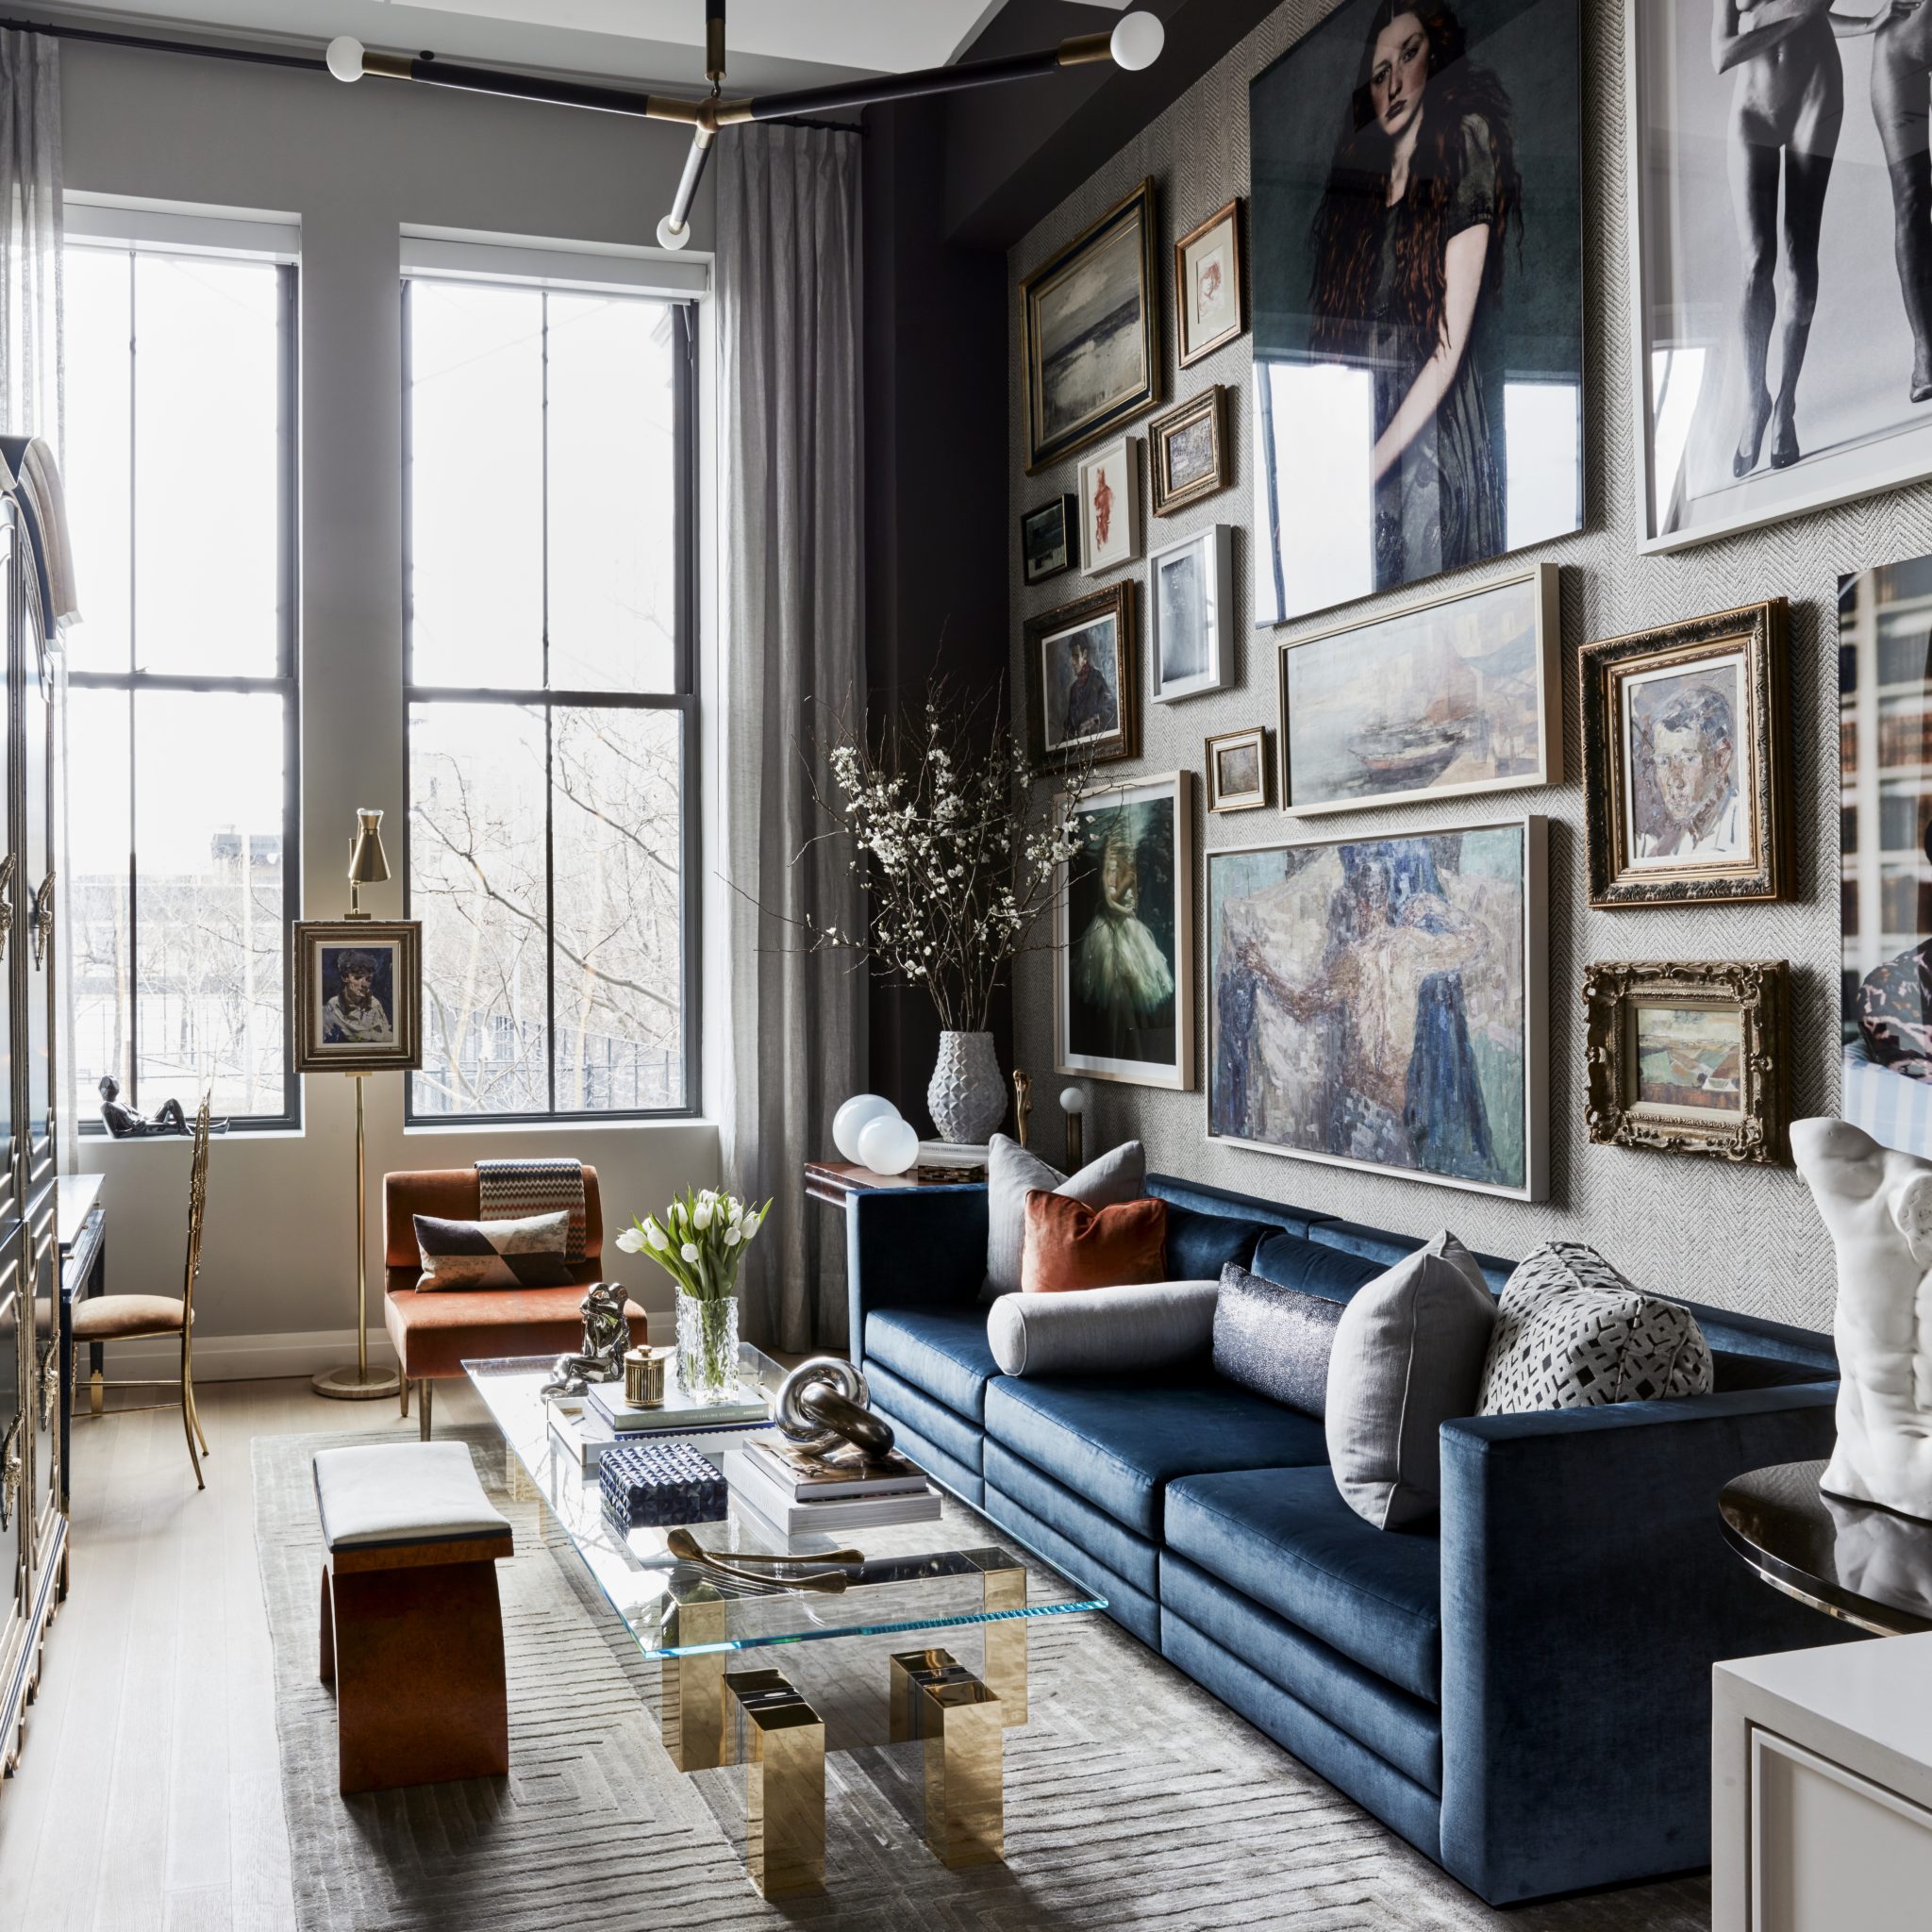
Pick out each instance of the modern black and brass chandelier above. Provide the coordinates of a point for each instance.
(1135, 42)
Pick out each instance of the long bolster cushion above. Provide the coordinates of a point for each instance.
(1102, 1331)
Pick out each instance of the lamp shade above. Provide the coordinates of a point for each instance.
(368, 863)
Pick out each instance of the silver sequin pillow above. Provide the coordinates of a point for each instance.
(1273, 1339)
(1574, 1333)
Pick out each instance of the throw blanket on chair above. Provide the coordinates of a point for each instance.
(509, 1190)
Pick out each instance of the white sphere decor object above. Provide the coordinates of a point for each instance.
(887, 1144)
(849, 1122)
(1138, 38)
(1876, 1203)
(671, 236)
(1073, 1100)
(344, 57)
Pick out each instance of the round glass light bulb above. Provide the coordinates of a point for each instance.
(670, 237)
(888, 1145)
(850, 1120)
(344, 57)
(1073, 1100)
(1138, 38)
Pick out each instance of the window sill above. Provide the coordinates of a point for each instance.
(616, 1123)
(87, 1141)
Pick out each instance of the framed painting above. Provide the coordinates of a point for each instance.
(1080, 679)
(1049, 540)
(1124, 937)
(1689, 1056)
(359, 995)
(1416, 257)
(1686, 795)
(1187, 452)
(1190, 588)
(1379, 1003)
(1238, 769)
(1442, 700)
(1747, 408)
(1109, 508)
(1209, 299)
(1090, 323)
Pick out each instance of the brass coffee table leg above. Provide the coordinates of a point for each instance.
(937, 1702)
(780, 1740)
(1006, 1643)
(691, 1689)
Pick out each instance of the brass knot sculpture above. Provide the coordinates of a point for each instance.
(606, 1335)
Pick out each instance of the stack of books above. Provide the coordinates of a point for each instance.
(799, 1493)
(585, 1426)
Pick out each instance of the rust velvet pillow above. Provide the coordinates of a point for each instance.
(1071, 1245)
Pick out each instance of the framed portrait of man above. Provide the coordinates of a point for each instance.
(359, 995)
(1686, 791)
(1080, 669)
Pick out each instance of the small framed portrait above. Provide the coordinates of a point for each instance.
(1187, 452)
(1687, 798)
(1090, 322)
(1124, 937)
(1049, 540)
(1190, 585)
(1109, 508)
(1689, 1056)
(1080, 679)
(1238, 769)
(1208, 294)
(359, 993)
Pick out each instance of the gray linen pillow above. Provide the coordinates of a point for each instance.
(1273, 1339)
(1408, 1355)
(1011, 1172)
(1102, 1331)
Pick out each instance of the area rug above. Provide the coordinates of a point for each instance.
(1133, 1797)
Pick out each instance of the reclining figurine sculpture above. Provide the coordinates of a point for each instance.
(1877, 1204)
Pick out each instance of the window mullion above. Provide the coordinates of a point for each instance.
(133, 632)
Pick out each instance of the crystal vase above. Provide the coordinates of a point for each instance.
(967, 1096)
(708, 1347)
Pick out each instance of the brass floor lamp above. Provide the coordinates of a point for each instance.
(358, 985)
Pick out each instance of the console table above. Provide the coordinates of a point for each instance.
(81, 1229)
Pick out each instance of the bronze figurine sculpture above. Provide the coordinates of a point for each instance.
(125, 1124)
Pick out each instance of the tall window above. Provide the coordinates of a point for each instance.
(552, 721)
(180, 471)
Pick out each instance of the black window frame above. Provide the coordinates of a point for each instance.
(287, 682)
(683, 700)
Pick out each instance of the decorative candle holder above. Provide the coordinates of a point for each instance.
(644, 1374)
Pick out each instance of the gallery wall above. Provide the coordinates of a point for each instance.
(1746, 1238)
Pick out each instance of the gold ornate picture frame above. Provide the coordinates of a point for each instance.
(1237, 763)
(1686, 779)
(1188, 452)
(1689, 1056)
(1082, 671)
(359, 995)
(1210, 292)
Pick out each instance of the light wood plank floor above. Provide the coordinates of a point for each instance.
(148, 1798)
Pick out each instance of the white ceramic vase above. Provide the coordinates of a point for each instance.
(967, 1096)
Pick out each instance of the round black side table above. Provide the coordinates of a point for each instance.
(1856, 1562)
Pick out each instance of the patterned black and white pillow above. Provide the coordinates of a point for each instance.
(529, 1252)
(1574, 1333)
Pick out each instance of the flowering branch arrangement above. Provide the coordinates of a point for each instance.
(700, 1242)
(952, 849)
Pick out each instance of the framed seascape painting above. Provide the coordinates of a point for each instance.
(1687, 1056)
(1050, 539)
(1207, 292)
(358, 992)
(1109, 508)
(1885, 882)
(1685, 792)
(1455, 696)
(1187, 452)
(1238, 769)
(1416, 247)
(1379, 1003)
(1124, 937)
(1781, 260)
(1090, 321)
(1190, 587)
(1080, 679)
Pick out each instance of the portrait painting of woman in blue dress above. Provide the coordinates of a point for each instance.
(1417, 368)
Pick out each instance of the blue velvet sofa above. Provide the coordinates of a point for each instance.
(1522, 1690)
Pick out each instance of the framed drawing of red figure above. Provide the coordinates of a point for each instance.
(1416, 248)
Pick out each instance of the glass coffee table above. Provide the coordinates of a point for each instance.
(924, 1641)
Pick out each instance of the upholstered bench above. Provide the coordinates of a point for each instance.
(412, 1628)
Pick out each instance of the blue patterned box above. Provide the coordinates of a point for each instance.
(661, 1483)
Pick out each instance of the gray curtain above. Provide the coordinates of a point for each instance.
(30, 225)
(792, 664)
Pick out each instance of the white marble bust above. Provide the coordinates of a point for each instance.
(1877, 1204)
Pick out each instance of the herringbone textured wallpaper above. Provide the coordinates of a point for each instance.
(1746, 1239)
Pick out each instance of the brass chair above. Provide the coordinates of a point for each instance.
(134, 1317)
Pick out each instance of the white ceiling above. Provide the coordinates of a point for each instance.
(772, 43)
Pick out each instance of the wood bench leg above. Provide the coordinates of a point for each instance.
(329, 1633)
(420, 1694)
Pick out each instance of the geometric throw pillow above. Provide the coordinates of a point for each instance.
(494, 1254)
(1012, 1173)
(1574, 1333)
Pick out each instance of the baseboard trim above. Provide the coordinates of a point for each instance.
(247, 1358)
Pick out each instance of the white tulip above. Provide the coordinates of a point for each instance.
(690, 1251)
(658, 1238)
(677, 1211)
(631, 1242)
(732, 1237)
(703, 1217)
